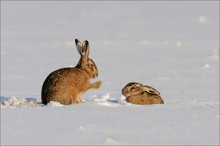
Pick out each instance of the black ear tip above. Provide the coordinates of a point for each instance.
(87, 42)
(76, 41)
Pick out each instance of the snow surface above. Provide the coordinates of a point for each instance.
(171, 46)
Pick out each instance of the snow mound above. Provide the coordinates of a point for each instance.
(110, 140)
(14, 102)
(202, 19)
(106, 100)
(215, 53)
(206, 65)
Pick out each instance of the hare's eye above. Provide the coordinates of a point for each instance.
(90, 65)
(133, 88)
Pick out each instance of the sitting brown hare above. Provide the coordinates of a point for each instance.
(66, 85)
(138, 93)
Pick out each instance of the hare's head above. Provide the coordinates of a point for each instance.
(132, 88)
(85, 63)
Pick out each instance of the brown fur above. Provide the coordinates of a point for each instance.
(145, 98)
(138, 93)
(67, 84)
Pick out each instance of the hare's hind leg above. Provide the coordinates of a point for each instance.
(79, 100)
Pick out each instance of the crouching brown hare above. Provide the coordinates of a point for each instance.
(65, 85)
(138, 93)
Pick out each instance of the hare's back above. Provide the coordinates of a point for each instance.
(63, 80)
(68, 76)
(145, 98)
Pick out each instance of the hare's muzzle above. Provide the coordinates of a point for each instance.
(94, 75)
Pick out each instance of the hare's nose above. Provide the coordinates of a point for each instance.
(95, 75)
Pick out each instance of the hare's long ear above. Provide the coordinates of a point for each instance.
(150, 90)
(79, 46)
(86, 49)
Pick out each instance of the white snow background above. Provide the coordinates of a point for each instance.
(171, 46)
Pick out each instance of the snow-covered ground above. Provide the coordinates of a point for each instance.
(171, 46)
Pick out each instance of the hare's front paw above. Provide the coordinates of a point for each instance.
(97, 84)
